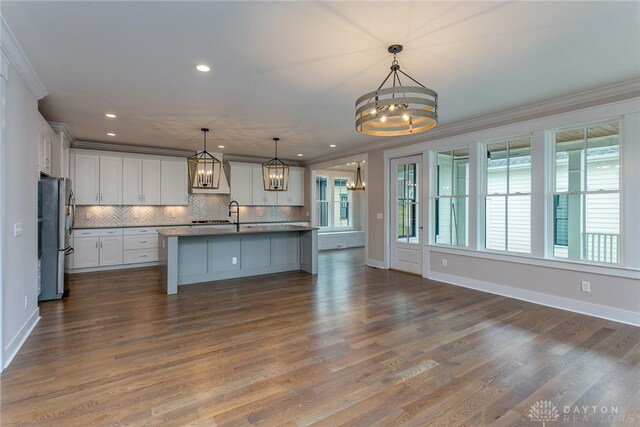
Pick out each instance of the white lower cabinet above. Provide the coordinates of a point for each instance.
(97, 248)
(140, 245)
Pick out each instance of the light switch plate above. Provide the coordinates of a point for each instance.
(17, 229)
(379, 216)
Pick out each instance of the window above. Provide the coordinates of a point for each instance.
(452, 197)
(508, 196)
(322, 204)
(407, 202)
(340, 203)
(333, 202)
(586, 198)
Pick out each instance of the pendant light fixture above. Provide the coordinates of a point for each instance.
(358, 185)
(397, 110)
(204, 168)
(275, 173)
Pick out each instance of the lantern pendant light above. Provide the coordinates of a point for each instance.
(204, 169)
(275, 173)
(358, 185)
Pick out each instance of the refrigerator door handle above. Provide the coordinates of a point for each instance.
(72, 206)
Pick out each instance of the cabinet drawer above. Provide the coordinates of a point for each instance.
(140, 230)
(98, 232)
(140, 242)
(148, 255)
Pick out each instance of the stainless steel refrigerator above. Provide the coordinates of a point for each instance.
(56, 217)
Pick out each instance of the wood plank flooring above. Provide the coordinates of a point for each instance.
(353, 346)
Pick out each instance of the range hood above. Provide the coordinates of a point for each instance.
(223, 187)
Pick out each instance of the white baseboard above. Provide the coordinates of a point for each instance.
(590, 309)
(376, 263)
(18, 340)
(110, 267)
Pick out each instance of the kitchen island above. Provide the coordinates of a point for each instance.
(206, 254)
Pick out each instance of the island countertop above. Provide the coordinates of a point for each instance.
(231, 229)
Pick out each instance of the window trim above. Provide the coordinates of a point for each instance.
(484, 179)
(331, 228)
(550, 191)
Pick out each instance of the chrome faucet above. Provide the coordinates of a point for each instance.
(237, 212)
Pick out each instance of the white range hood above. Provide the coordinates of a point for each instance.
(223, 187)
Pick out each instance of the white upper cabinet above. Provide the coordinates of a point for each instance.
(151, 182)
(131, 181)
(140, 181)
(294, 196)
(110, 180)
(86, 179)
(260, 196)
(247, 186)
(173, 182)
(241, 183)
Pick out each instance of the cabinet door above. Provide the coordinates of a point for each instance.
(294, 196)
(47, 155)
(151, 182)
(86, 179)
(111, 250)
(240, 185)
(260, 196)
(131, 181)
(110, 180)
(86, 251)
(173, 182)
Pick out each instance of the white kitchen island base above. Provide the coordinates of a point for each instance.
(209, 254)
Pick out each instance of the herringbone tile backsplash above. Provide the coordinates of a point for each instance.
(201, 207)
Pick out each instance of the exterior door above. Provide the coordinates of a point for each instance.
(406, 228)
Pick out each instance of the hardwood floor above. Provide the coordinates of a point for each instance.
(353, 346)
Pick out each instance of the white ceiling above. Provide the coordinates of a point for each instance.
(294, 69)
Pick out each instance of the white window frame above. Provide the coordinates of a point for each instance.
(551, 192)
(434, 196)
(484, 178)
(331, 177)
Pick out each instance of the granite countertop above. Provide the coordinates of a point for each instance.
(183, 224)
(214, 231)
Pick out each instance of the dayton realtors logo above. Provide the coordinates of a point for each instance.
(543, 410)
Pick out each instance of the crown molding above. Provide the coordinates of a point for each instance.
(63, 128)
(103, 146)
(599, 96)
(12, 51)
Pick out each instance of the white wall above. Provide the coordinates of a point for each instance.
(19, 177)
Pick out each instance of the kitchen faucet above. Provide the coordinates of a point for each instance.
(237, 212)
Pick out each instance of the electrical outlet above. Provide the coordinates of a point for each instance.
(444, 262)
(173, 214)
(26, 302)
(234, 260)
(135, 215)
(17, 229)
(586, 286)
(87, 215)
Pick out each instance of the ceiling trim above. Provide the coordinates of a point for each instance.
(63, 128)
(103, 146)
(603, 95)
(15, 55)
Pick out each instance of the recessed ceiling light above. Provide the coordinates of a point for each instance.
(111, 134)
(333, 146)
(111, 115)
(299, 154)
(203, 68)
(220, 146)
